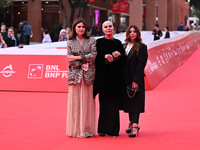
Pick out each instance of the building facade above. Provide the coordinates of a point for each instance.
(143, 13)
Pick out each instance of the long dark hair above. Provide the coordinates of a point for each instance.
(73, 33)
(138, 39)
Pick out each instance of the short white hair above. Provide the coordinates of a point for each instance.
(107, 22)
(63, 30)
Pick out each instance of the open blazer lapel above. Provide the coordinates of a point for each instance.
(82, 48)
(77, 44)
(130, 54)
(85, 44)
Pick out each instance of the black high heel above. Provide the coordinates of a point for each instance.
(128, 130)
(131, 134)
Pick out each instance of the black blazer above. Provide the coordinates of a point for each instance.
(156, 34)
(134, 72)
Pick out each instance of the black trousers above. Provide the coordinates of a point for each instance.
(27, 38)
(109, 115)
(134, 117)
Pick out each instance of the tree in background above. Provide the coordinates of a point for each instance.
(5, 3)
(195, 3)
(195, 8)
(74, 4)
(63, 13)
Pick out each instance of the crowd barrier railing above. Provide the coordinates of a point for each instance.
(166, 55)
(33, 70)
(45, 69)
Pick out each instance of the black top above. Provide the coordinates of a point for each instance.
(108, 78)
(167, 35)
(4, 34)
(157, 34)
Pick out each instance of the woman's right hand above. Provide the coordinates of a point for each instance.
(134, 85)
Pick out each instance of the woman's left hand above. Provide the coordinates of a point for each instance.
(134, 85)
(73, 58)
(91, 62)
(116, 54)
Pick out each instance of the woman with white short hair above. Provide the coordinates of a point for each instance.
(108, 80)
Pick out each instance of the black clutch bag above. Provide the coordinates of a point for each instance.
(131, 91)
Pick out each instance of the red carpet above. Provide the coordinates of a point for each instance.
(36, 121)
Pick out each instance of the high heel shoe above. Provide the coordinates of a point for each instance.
(134, 134)
(102, 134)
(128, 130)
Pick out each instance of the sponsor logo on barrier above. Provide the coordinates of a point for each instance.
(35, 71)
(151, 67)
(52, 71)
(163, 59)
(7, 71)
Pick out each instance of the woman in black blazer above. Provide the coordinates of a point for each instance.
(136, 58)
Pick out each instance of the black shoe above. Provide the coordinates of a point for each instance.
(131, 134)
(114, 135)
(128, 130)
(102, 134)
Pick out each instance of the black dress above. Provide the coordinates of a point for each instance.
(134, 72)
(108, 83)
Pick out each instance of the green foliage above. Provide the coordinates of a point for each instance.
(195, 8)
(5, 3)
(195, 3)
(194, 12)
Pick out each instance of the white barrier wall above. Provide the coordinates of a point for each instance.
(147, 37)
(43, 67)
